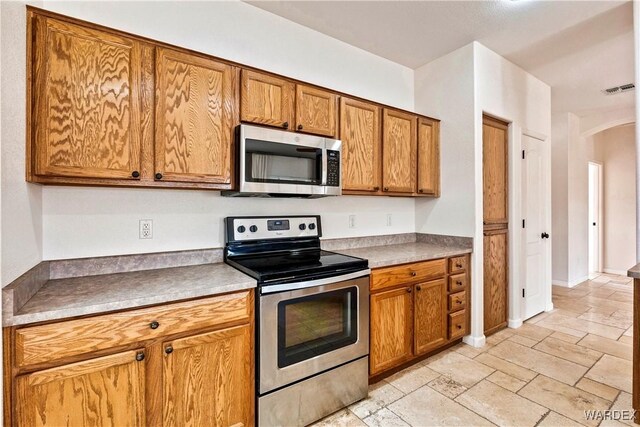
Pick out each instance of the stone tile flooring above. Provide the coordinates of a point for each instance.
(546, 373)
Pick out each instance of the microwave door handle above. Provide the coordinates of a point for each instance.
(324, 166)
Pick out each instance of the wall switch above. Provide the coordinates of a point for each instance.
(388, 220)
(352, 221)
(146, 229)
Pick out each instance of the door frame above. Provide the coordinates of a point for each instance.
(546, 220)
(600, 191)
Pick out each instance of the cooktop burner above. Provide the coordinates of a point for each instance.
(283, 249)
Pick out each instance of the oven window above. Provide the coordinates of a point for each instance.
(278, 163)
(316, 324)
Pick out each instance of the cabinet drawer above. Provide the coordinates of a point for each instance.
(457, 301)
(457, 264)
(43, 343)
(457, 324)
(408, 273)
(457, 283)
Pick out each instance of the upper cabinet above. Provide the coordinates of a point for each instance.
(267, 100)
(428, 179)
(195, 108)
(398, 152)
(495, 171)
(85, 103)
(113, 109)
(361, 145)
(316, 111)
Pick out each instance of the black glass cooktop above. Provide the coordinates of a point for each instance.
(301, 265)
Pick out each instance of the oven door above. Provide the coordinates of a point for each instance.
(278, 162)
(307, 331)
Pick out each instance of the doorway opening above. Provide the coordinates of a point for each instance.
(595, 217)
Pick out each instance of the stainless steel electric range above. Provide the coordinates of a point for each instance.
(312, 318)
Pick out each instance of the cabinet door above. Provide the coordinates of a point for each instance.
(430, 316)
(86, 107)
(208, 380)
(108, 390)
(428, 157)
(266, 100)
(495, 171)
(360, 135)
(316, 111)
(398, 152)
(391, 324)
(495, 280)
(195, 118)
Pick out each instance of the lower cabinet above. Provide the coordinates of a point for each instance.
(416, 309)
(168, 375)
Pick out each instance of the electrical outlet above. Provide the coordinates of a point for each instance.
(146, 229)
(389, 220)
(352, 221)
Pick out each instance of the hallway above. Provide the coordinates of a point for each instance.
(548, 372)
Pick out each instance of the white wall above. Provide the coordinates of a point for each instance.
(559, 197)
(21, 222)
(618, 151)
(66, 222)
(458, 88)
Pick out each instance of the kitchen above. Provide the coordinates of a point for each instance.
(112, 309)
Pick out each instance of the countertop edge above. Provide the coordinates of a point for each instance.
(634, 272)
(408, 260)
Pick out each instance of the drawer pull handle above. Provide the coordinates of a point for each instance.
(140, 356)
(168, 350)
(458, 265)
(385, 189)
(376, 188)
(459, 326)
(135, 174)
(285, 125)
(409, 290)
(300, 127)
(459, 282)
(414, 274)
(459, 302)
(158, 175)
(154, 325)
(418, 288)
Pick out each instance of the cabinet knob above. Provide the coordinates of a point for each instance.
(459, 302)
(285, 125)
(418, 288)
(409, 290)
(158, 175)
(135, 174)
(168, 350)
(385, 189)
(458, 265)
(459, 282)
(300, 127)
(420, 190)
(414, 274)
(140, 356)
(459, 326)
(376, 188)
(154, 325)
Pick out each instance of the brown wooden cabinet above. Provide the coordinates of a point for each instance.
(430, 316)
(361, 146)
(415, 311)
(266, 99)
(391, 329)
(495, 280)
(195, 118)
(398, 152)
(188, 363)
(85, 106)
(206, 379)
(316, 111)
(428, 178)
(107, 390)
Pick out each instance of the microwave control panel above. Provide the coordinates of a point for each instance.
(333, 168)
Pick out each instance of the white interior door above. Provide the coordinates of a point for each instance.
(535, 235)
(594, 217)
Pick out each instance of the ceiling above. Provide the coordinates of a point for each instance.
(577, 47)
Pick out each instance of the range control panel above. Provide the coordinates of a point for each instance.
(263, 228)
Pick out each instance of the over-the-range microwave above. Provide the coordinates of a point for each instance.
(277, 163)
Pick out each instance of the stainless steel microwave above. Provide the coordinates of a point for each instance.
(277, 163)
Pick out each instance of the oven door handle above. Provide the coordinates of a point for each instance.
(269, 289)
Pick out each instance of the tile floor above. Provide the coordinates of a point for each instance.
(545, 373)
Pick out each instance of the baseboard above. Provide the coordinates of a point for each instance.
(549, 307)
(514, 323)
(475, 341)
(570, 284)
(618, 272)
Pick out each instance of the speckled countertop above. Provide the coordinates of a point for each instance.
(63, 298)
(383, 256)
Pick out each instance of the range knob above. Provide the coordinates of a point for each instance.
(242, 229)
(253, 229)
(302, 227)
(312, 226)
